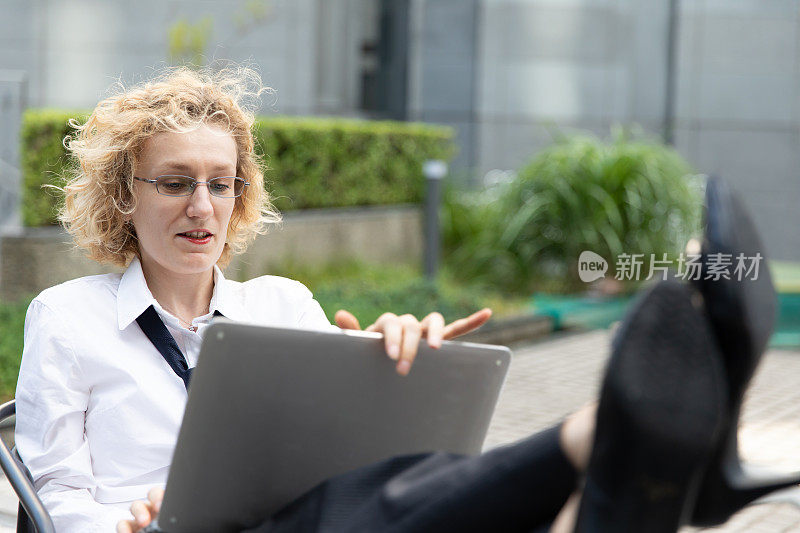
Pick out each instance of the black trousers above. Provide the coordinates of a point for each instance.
(520, 487)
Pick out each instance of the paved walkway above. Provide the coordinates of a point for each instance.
(550, 379)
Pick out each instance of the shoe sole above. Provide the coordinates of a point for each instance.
(742, 313)
(659, 417)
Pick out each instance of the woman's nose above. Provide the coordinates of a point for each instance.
(200, 205)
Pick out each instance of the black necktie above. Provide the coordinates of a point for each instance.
(162, 339)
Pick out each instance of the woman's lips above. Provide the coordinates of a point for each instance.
(196, 240)
(204, 240)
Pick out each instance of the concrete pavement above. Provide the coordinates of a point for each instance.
(551, 379)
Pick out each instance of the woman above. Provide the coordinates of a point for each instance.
(98, 407)
(169, 187)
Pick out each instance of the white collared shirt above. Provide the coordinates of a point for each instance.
(98, 407)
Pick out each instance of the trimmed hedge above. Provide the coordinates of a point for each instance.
(312, 162)
(43, 159)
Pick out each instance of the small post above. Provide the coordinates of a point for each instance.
(671, 89)
(433, 170)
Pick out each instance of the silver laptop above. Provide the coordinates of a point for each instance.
(273, 412)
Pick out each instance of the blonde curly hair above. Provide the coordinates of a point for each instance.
(99, 193)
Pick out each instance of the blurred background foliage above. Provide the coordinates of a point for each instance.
(369, 290)
(187, 42)
(516, 236)
(625, 195)
(12, 322)
(310, 162)
(366, 290)
(316, 163)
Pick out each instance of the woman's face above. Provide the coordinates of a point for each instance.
(167, 226)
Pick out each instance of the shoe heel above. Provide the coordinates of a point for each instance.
(739, 488)
(742, 314)
(729, 485)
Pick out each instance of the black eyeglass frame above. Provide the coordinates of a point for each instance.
(194, 184)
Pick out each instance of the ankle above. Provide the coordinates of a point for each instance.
(577, 435)
(565, 521)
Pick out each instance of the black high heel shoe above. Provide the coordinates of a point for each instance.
(662, 406)
(742, 314)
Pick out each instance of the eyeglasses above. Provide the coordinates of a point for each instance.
(222, 187)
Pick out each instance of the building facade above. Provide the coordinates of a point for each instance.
(504, 73)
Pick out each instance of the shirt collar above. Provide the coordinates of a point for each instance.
(222, 300)
(133, 296)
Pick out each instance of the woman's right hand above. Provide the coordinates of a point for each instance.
(143, 512)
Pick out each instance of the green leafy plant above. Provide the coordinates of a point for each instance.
(188, 43)
(630, 196)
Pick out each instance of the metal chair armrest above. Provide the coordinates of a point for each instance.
(18, 477)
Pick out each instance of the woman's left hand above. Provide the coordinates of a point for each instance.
(144, 512)
(403, 333)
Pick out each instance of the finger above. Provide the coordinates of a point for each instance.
(126, 526)
(156, 496)
(378, 324)
(465, 325)
(389, 324)
(141, 513)
(433, 329)
(346, 320)
(412, 333)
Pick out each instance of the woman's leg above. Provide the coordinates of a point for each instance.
(519, 487)
(577, 435)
